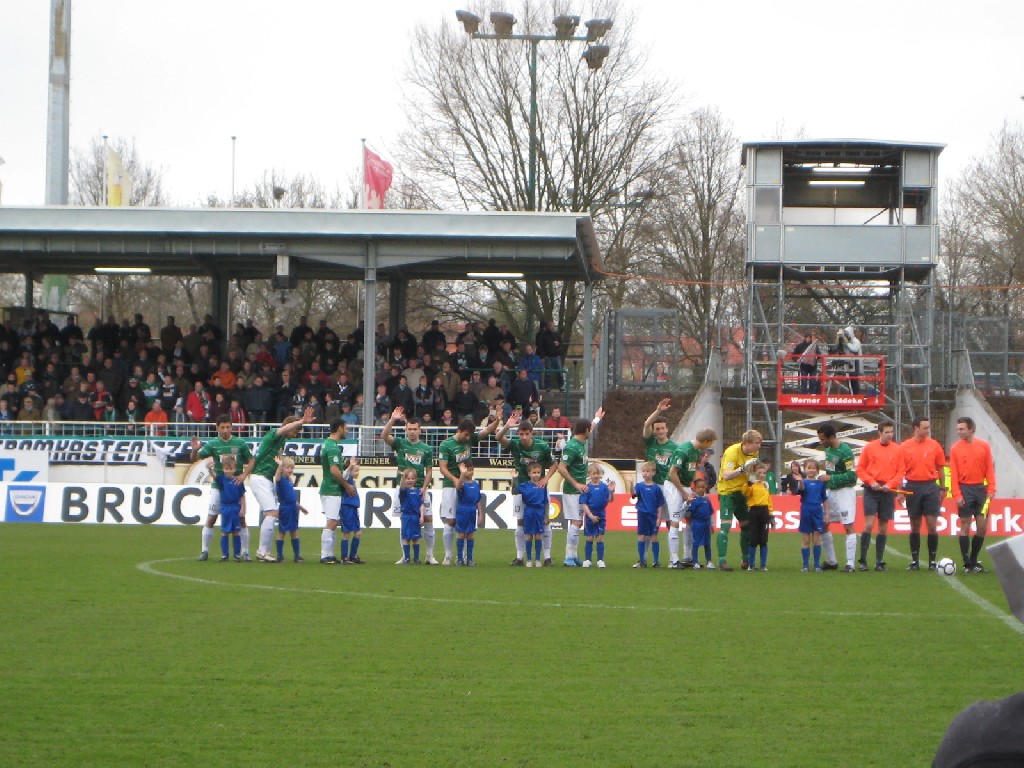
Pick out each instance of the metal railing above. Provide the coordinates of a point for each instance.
(370, 442)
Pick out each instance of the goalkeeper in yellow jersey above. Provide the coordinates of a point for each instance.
(738, 461)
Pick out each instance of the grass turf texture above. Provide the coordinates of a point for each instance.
(106, 663)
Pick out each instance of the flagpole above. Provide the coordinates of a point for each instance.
(362, 176)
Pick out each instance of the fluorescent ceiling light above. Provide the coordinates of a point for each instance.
(841, 170)
(495, 275)
(122, 270)
(836, 182)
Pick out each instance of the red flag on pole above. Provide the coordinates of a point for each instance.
(376, 179)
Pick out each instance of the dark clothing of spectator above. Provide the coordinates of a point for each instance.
(402, 396)
(464, 403)
(523, 392)
(258, 400)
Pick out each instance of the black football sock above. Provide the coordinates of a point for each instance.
(933, 547)
(976, 544)
(965, 545)
(880, 547)
(865, 542)
(915, 546)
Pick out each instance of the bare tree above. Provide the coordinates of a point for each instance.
(696, 234)
(468, 144)
(991, 192)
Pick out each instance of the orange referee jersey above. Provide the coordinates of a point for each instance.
(881, 464)
(971, 464)
(924, 459)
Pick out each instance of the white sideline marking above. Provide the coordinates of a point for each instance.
(148, 567)
(978, 600)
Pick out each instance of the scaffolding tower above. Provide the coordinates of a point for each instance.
(840, 233)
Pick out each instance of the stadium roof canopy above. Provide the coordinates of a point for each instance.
(239, 243)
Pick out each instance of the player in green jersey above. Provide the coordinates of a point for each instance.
(525, 450)
(333, 486)
(685, 462)
(412, 453)
(659, 450)
(262, 482)
(225, 443)
(450, 454)
(841, 505)
(573, 469)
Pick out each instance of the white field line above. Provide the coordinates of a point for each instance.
(150, 568)
(978, 600)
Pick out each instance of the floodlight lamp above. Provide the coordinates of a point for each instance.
(598, 28)
(565, 26)
(470, 21)
(595, 55)
(503, 23)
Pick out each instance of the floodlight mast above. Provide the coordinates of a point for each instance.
(565, 32)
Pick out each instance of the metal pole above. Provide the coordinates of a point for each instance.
(531, 192)
(233, 171)
(106, 173)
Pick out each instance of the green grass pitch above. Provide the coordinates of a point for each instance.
(119, 648)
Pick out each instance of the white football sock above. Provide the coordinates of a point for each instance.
(851, 548)
(207, 538)
(520, 543)
(266, 534)
(687, 542)
(673, 544)
(449, 538)
(546, 542)
(326, 543)
(428, 538)
(244, 536)
(828, 547)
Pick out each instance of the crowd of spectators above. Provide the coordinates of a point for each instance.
(122, 372)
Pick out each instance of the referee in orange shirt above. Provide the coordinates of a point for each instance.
(880, 468)
(972, 475)
(925, 458)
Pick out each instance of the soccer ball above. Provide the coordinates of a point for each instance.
(946, 567)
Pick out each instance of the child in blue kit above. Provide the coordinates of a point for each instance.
(351, 528)
(535, 511)
(231, 495)
(410, 500)
(813, 492)
(593, 502)
(699, 514)
(288, 509)
(469, 513)
(650, 505)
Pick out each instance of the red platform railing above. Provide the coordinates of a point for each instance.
(838, 383)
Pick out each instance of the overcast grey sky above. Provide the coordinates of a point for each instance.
(300, 83)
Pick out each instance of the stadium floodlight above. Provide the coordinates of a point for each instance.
(495, 275)
(595, 55)
(470, 21)
(598, 28)
(565, 26)
(122, 270)
(565, 32)
(502, 23)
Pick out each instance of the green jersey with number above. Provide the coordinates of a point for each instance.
(840, 467)
(522, 456)
(410, 455)
(661, 455)
(454, 452)
(331, 456)
(574, 456)
(234, 446)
